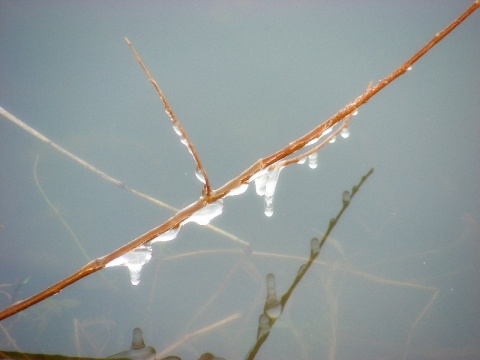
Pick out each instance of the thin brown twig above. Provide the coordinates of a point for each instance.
(243, 178)
(176, 126)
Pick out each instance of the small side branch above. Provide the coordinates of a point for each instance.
(200, 171)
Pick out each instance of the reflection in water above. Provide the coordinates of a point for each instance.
(263, 325)
(138, 350)
(272, 308)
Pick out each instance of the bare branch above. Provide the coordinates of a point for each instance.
(243, 178)
(199, 171)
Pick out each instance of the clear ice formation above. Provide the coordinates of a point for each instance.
(134, 260)
(263, 326)
(200, 176)
(272, 307)
(166, 236)
(265, 183)
(312, 160)
(206, 214)
(238, 190)
(138, 350)
(266, 179)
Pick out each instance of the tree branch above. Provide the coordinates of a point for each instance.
(243, 178)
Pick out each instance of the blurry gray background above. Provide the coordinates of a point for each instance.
(244, 79)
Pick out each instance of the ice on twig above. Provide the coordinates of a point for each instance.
(238, 190)
(134, 260)
(206, 214)
(167, 235)
(312, 160)
(199, 175)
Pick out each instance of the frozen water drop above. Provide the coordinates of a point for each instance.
(355, 112)
(409, 68)
(312, 160)
(167, 235)
(135, 273)
(199, 175)
(269, 206)
(332, 140)
(271, 183)
(183, 140)
(346, 197)
(238, 190)
(176, 129)
(311, 142)
(314, 246)
(206, 214)
(134, 260)
(263, 326)
(345, 133)
(302, 160)
(272, 307)
(260, 183)
(272, 178)
(328, 131)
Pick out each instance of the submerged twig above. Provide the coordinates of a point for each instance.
(241, 179)
(315, 250)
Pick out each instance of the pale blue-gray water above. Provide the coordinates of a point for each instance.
(397, 279)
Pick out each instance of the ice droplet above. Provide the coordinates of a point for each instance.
(199, 175)
(176, 129)
(206, 214)
(263, 325)
(332, 140)
(268, 206)
(355, 112)
(311, 142)
(409, 68)
(260, 182)
(272, 307)
(302, 160)
(346, 197)
(345, 133)
(238, 190)
(134, 260)
(312, 160)
(328, 131)
(166, 236)
(314, 246)
(271, 183)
